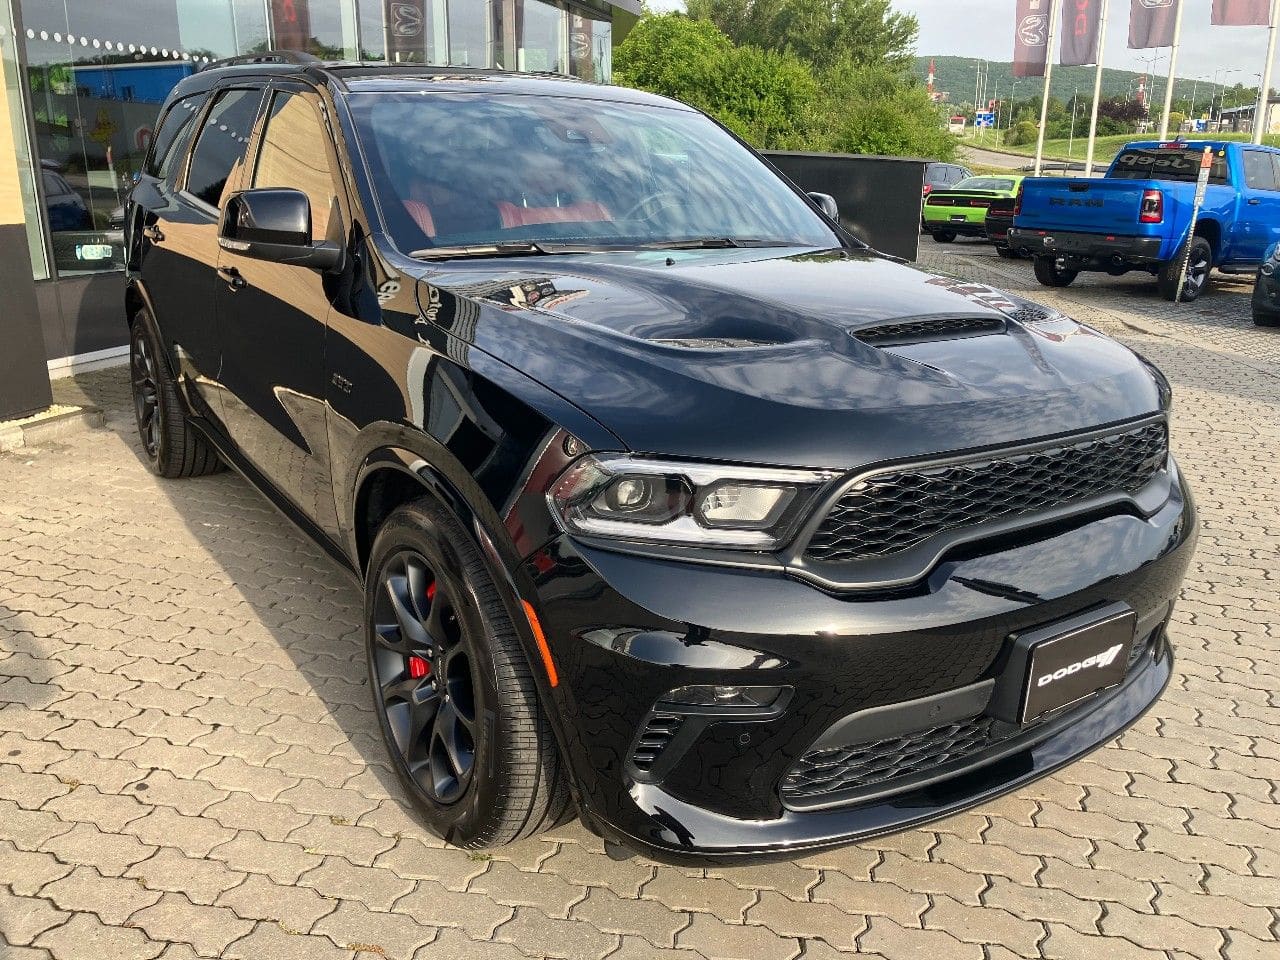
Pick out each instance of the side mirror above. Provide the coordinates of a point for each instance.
(274, 224)
(827, 204)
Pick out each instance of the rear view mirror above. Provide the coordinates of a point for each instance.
(274, 224)
(827, 204)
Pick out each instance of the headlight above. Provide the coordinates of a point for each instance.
(750, 508)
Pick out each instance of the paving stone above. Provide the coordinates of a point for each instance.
(83, 937)
(273, 941)
(356, 927)
(107, 810)
(111, 854)
(257, 898)
(984, 925)
(240, 811)
(189, 797)
(23, 919)
(1036, 903)
(194, 836)
(333, 835)
(416, 859)
(606, 911)
(26, 872)
(1096, 884)
(342, 880)
(249, 853)
(234, 774)
(679, 891)
(552, 938)
(503, 883)
(1209, 910)
(435, 905)
(200, 880)
(454, 945)
(1158, 932)
(112, 899)
(871, 898)
(897, 942)
(1064, 943)
(594, 868)
(942, 878)
(791, 919)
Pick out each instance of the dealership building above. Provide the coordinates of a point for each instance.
(81, 88)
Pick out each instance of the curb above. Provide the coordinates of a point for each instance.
(53, 424)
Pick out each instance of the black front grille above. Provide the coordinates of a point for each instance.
(837, 771)
(888, 513)
(657, 733)
(929, 327)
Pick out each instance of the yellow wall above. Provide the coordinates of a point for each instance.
(10, 198)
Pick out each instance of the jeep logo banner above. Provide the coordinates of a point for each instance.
(1031, 38)
(1151, 23)
(1080, 32)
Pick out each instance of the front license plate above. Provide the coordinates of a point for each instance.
(1074, 665)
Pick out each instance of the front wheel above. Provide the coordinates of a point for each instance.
(1051, 275)
(452, 687)
(1199, 265)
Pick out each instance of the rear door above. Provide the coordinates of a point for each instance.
(181, 242)
(1258, 213)
(272, 317)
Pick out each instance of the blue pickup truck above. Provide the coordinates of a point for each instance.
(1138, 216)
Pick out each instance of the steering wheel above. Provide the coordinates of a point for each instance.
(653, 202)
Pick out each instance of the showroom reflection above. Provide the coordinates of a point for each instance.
(98, 73)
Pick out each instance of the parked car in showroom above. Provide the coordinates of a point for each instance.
(670, 499)
(961, 210)
(1138, 217)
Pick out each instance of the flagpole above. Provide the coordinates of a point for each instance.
(1173, 70)
(1054, 10)
(1097, 88)
(1262, 112)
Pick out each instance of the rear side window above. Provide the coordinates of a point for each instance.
(221, 144)
(1259, 171)
(175, 133)
(1167, 163)
(295, 153)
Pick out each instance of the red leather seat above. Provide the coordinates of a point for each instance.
(421, 215)
(583, 210)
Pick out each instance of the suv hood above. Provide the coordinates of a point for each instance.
(833, 359)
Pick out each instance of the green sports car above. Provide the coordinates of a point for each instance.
(961, 210)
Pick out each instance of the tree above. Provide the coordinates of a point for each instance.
(873, 109)
(769, 99)
(823, 32)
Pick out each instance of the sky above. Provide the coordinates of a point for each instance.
(984, 28)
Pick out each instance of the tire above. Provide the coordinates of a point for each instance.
(1007, 253)
(173, 447)
(944, 236)
(1051, 275)
(1262, 319)
(464, 727)
(1199, 266)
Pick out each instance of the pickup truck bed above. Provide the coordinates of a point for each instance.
(1138, 217)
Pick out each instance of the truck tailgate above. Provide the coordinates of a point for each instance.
(1085, 206)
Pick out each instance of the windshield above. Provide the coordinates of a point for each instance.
(454, 170)
(984, 183)
(1166, 163)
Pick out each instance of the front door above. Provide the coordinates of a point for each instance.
(272, 317)
(1259, 210)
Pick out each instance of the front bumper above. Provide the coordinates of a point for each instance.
(625, 630)
(1087, 248)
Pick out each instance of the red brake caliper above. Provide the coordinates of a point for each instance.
(418, 667)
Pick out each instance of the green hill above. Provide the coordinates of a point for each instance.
(956, 75)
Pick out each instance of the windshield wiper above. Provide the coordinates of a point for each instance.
(516, 248)
(709, 243)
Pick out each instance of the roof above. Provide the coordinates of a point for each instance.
(1191, 144)
(366, 77)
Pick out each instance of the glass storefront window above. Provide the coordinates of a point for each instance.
(97, 72)
(14, 137)
(590, 46)
(541, 43)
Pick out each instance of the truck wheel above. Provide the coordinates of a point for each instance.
(1051, 275)
(1198, 267)
(1261, 319)
(944, 236)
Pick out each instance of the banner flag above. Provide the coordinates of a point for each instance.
(1080, 32)
(1241, 13)
(1031, 38)
(291, 24)
(406, 38)
(1152, 23)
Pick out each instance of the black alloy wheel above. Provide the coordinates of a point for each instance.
(453, 684)
(423, 668)
(146, 391)
(1199, 266)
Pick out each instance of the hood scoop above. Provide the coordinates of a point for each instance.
(928, 328)
(714, 343)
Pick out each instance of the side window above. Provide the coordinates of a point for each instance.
(295, 153)
(1259, 171)
(173, 136)
(221, 143)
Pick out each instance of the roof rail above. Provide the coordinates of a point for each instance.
(266, 56)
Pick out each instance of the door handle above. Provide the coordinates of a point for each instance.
(1254, 201)
(153, 233)
(232, 276)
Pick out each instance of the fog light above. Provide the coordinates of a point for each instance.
(744, 698)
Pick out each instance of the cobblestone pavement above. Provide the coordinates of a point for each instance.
(189, 765)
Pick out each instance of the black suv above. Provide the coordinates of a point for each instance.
(668, 496)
